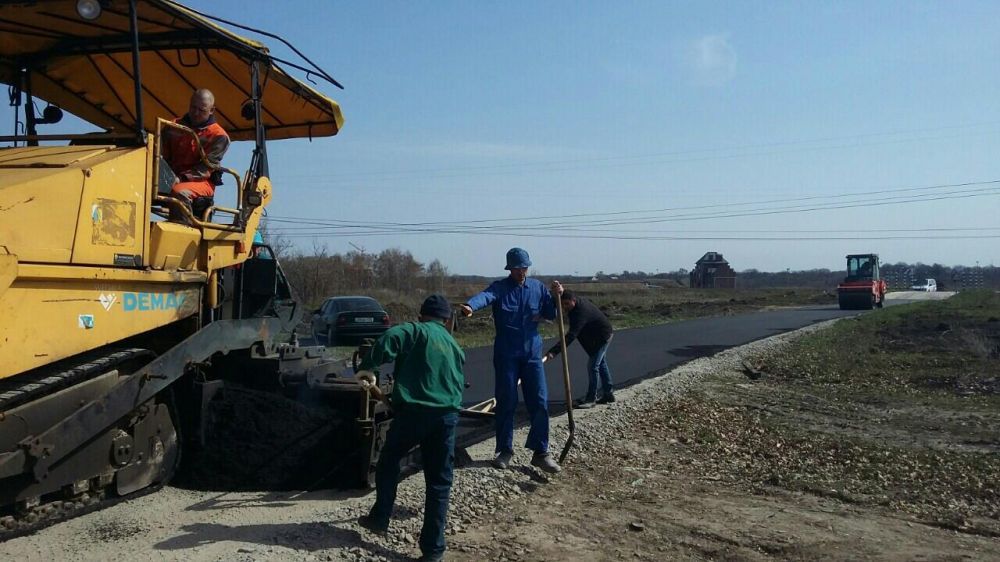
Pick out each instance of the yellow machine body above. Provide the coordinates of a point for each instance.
(84, 262)
(77, 229)
(124, 310)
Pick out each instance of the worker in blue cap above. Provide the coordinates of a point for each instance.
(519, 303)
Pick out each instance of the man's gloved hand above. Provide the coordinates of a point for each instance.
(365, 378)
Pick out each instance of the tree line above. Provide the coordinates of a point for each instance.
(322, 274)
(898, 275)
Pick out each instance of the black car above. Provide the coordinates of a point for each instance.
(348, 320)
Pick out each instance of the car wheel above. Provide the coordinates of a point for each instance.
(331, 337)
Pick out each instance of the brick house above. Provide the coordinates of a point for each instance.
(713, 272)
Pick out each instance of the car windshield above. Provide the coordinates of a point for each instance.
(358, 305)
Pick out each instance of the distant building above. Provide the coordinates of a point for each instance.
(713, 272)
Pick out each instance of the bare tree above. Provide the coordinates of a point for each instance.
(396, 269)
(436, 275)
(281, 245)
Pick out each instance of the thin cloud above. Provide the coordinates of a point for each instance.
(712, 59)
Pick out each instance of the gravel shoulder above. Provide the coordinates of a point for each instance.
(645, 481)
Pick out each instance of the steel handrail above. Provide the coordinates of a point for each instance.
(160, 123)
(175, 203)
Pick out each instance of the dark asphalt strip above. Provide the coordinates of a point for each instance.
(636, 355)
(640, 353)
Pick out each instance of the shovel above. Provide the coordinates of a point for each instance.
(569, 391)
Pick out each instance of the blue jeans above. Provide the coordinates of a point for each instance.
(597, 367)
(536, 398)
(435, 433)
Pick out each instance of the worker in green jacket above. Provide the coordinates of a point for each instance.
(426, 397)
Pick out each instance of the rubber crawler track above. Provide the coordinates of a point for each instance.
(15, 523)
(24, 389)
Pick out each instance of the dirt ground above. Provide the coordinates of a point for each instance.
(701, 463)
(704, 474)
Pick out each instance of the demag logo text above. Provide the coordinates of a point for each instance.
(151, 301)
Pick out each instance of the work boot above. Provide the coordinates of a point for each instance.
(502, 460)
(369, 522)
(583, 403)
(545, 462)
(436, 557)
(606, 399)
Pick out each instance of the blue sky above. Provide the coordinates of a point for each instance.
(474, 111)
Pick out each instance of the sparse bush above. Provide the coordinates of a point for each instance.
(980, 344)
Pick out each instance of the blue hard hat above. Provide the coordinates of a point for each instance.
(517, 258)
(258, 239)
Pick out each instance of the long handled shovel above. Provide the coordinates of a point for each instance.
(569, 391)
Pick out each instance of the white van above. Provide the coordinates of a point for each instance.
(929, 285)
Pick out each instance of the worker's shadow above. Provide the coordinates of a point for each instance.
(695, 351)
(309, 537)
(399, 513)
(535, 477)
(464, 460)
(226, 500)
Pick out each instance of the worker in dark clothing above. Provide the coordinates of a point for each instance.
(426, 398)
(194, 177)
(589, 325)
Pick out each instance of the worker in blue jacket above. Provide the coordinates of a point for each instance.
(519, 303)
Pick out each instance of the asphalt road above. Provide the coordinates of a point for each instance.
(640, 353)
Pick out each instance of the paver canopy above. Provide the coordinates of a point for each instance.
(85, 67)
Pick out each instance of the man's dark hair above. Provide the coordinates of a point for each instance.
(568, 296)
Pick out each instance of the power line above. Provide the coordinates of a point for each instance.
(665, 238)
(334, 222)
(793, 209)
(505, 230)
(766, 231)
(615, 161)
(357, 228)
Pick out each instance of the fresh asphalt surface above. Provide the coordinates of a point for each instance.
(635, 354)
(640, 353)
